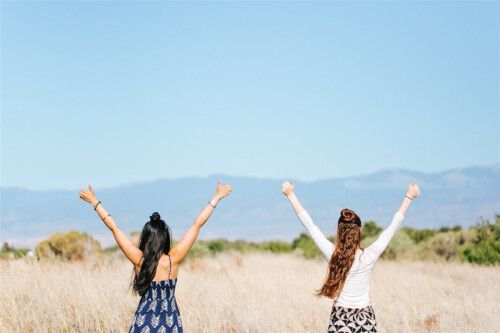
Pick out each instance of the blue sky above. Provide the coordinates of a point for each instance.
(114, 93)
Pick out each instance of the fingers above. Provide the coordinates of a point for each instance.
(287, 188)
(218, 183)
(91, 189)
(224, 188)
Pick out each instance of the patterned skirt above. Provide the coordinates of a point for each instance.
(352, 320)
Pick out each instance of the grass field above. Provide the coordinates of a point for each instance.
(246, 293)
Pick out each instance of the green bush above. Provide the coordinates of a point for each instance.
(485, 248)
(370, 229)
(446, 229)
(306, 244)
(243, 246)
(111, 249)
(216, 246)
(401, 246)
(276, 247)
(418, 235)
(8, 252)
(198, 250)
(480, 244)
(68, 246)
(445, 245)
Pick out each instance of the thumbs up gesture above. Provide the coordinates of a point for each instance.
(223, 191)
(88, 196)
(287, 188)
(413, 191)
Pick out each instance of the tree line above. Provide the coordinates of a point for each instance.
(478, 244)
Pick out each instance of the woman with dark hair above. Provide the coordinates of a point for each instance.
(156, 263)
(350, 266)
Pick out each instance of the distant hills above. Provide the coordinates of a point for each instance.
(256, 210)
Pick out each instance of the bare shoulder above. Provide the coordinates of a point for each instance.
(173, 256)
(163, 262)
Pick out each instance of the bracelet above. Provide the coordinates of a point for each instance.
(212, 203)
(97, 204)
(106, 217)
(408, 197)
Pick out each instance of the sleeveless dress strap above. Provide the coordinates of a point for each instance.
(169, 266)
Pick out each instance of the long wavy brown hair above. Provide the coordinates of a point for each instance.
(348, 242)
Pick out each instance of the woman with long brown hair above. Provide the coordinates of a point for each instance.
(350, 266)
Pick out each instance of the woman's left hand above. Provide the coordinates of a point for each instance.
(88, 196)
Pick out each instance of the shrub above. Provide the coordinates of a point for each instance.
(216, 246)
(444, 229)
(198, 250)
(68, 246)
(306, 244)
(485, 248)
(418, 235)
(8, 252)
(445, 245)
(370, 229)
(276, 247)
(111, 249)
(401, 246)
(243, 246)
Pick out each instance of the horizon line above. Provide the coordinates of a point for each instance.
(216, 175)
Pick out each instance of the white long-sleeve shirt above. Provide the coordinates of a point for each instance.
(357, 285)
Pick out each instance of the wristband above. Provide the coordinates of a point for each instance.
(408, 197)
(213, 203)
(97, 204)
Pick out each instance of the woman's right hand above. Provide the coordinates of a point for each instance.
(287, 188)
(222, 191)
(413, 191)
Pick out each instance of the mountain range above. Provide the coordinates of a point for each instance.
(256, 210)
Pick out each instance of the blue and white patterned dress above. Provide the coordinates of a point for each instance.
(157, 310)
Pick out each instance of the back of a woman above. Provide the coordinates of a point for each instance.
(156, 264)
(349, 267)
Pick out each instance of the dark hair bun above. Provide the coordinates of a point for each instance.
(155, 217)
(347, 215)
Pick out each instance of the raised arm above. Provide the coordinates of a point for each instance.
(182, 248)
(125, 244)
(324, 245)
(373, 251)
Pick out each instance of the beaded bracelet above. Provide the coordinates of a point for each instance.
(97, 204)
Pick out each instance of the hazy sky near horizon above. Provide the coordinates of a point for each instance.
(112, 93)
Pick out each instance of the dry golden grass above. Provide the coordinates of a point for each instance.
(250, 293)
